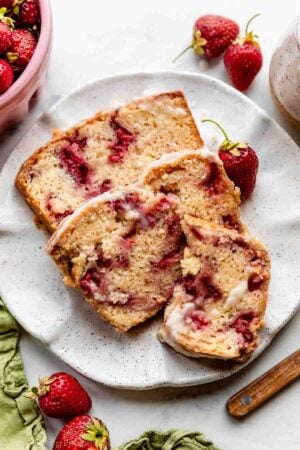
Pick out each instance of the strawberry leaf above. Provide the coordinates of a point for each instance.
(198, 43)
(235, 152)
(88, 437)
(12, 57)
(6, 19)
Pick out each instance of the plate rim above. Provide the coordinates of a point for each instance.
(189, 381)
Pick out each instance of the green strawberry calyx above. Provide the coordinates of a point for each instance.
(97, 433)
(43, 389)
(249, 37)
(12, 57)
(197, 44)
(228, 145)
(16, 6)
(5, 18)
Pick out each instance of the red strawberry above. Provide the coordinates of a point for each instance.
(6, 3)
(61, 395)
(6, 76)
(243, 60)
(240, 162)
(212, 35)
(241, 165)
(23, 46)
(5, 37)
(83, 433)
(29, 13)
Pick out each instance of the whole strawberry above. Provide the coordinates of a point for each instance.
(212, 35)
(83, 433)
(5, 37)
(29, 13)
(6, 76)
(22, 49)
(243, 59)
(240, 162)
(61, 395)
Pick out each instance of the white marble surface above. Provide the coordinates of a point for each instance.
(95, 39)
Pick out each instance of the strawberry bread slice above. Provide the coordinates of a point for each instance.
(108, 150)
(218, 306)
(122, 250)
(200, 182)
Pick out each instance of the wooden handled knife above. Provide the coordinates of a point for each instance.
(264, 387)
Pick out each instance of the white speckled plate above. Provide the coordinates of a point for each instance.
(31, 284)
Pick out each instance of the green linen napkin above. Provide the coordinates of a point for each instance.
(170, 440)
(21, 424)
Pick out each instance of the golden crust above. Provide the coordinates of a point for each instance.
(71, 251)
(181, 175)
(23, 177)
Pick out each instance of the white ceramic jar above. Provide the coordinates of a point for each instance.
(285, 73)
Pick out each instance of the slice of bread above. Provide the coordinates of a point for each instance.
(108, 150)
(201, 184)
(122, 250)
(218, 306)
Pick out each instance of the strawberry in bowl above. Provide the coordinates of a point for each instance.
(25, 44)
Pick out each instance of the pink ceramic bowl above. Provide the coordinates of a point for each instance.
(14, 103)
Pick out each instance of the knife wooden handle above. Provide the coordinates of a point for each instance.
(261, 389)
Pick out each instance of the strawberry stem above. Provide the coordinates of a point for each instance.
(248, 23)
(227, 145)
(220, 128)
(183, 52)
